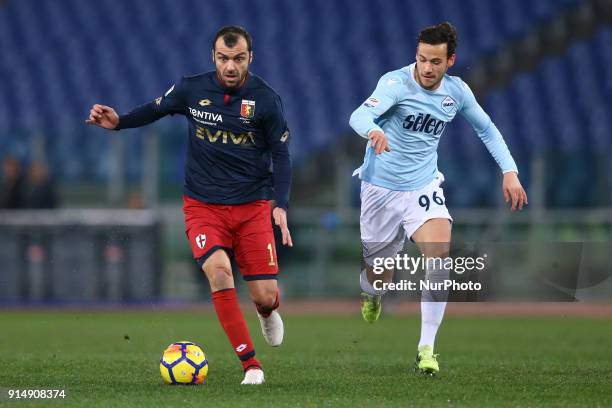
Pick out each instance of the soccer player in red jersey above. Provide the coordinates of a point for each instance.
(237, 161)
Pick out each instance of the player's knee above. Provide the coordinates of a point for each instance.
(266, 298)
(267, 302)
(219, 276)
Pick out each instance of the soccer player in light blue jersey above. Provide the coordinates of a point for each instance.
(401, 196)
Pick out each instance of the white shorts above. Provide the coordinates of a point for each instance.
(389, 216)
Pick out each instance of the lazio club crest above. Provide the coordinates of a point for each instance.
(247, 109)
(448, 104)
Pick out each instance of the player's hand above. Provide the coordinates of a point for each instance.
(513, 190)
(379, 141)
(280, 219)
(103, 116)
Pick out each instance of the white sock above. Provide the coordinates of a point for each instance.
(432, 308)
(367, 287)
(431, 318)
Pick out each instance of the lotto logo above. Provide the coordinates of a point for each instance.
(241, 347)
(201, 241)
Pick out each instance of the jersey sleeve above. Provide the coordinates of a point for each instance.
(486, 130)
(172, 102)
(386, 94)
(277, 136)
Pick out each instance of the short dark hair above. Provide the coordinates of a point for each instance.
(443, 33)
(231, 34)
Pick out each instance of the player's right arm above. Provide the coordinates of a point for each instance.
(103, 116)
(172, 102)
(363, 119)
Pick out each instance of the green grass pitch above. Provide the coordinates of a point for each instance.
(324, 361)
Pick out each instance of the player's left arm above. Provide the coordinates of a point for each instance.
(487, 131)
(277, 137)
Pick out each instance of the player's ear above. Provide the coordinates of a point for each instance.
(212, 55)
(451, 60)
(250, 56)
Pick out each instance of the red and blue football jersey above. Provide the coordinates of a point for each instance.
(238, 139)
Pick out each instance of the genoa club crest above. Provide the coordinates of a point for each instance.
(247, 109)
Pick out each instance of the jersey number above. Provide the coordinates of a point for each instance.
(424, 201)
(271, 263)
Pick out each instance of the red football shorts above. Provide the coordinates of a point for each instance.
(243, 230)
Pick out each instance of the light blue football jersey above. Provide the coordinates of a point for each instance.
(413, 119)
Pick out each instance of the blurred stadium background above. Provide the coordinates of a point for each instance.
(541, 68)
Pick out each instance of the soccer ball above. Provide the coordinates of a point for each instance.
(183, 363)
